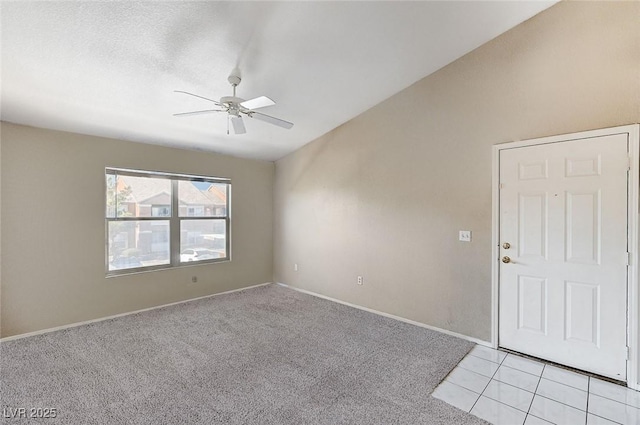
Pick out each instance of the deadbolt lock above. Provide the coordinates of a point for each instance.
(506, 259)
(506, 245)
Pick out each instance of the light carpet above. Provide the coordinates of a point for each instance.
(266, 355)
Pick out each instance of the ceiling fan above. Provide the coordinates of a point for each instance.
(235, 107)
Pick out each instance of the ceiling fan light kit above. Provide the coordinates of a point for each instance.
(235, 107)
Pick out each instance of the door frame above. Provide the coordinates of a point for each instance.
(633, 203)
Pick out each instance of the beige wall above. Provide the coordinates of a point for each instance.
(385, 195)
(382, 196)
(53, 238)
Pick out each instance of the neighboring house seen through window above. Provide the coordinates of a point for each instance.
(159, 220)
(161, 210)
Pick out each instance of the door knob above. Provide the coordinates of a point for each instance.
(506, 259)
(506, 245)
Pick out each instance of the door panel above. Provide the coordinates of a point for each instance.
(563, 210)
(532, 304)
(583, 308)
(583, 227)
(532, 225)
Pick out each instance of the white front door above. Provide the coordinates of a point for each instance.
(563, 287)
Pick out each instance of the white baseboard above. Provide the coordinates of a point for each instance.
(391, 316)
(86, 322)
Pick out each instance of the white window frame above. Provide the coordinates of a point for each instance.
(174, 220)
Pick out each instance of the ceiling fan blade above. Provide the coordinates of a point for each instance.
(238, 124)
(206, 111)
(271, 120)
(258, 102)
(201, 97)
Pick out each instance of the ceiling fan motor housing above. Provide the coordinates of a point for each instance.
(234, 80)
(231, 100)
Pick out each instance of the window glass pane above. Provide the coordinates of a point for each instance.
(135, 244)
(142, 197)
(202, 240)
(202, 199)
(111, 196)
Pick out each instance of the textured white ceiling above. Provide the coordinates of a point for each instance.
(110, 68)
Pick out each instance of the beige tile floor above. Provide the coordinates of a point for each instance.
(506, 389)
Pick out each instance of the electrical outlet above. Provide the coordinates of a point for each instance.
(295, 267)
(360, 280)
(464, 236)
(194, 279)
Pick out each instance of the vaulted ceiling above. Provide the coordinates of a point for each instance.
(110, 68)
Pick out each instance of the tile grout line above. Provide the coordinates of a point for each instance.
(473, 371)
(560, 402)
(588, 394)
(606, 398)
(485, 387)
(586, 413)
(510, 385)
(602, 417)
(567, 385)
(514, 386)
(612, 399)
(560, 383)
(544, 365)
(456, 385)
(460, 386)
(524, 371)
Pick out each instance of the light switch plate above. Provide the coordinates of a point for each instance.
(465, 236)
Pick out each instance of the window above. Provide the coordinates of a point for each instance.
(195, 211)
(160, 220)
(161, 210)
